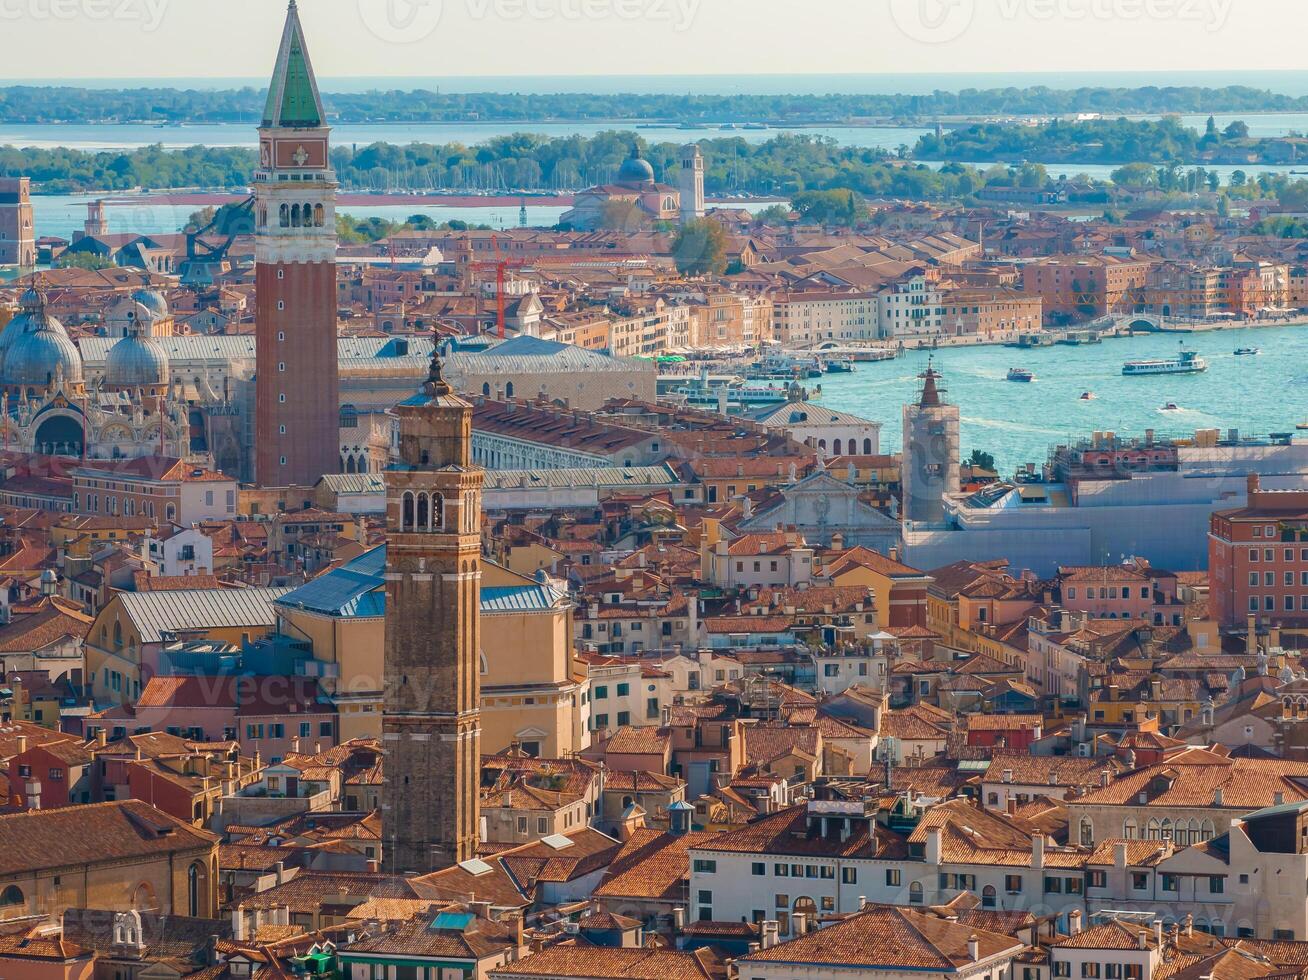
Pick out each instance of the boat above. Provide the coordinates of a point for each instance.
(1302, 426)
(784, 367)
(1247, 351)
(1088, 396)
(1187, 362)
(838, 365)
(1170, 407)
(1020, 374)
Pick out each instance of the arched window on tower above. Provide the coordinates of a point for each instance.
(296, 220)
(437, 512)
(285, 216)
(424, 512)
(406, 511)
(317, 215)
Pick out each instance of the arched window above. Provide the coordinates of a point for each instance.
(867, 447)
(11, 896)
(915, 893)
(295, 216)
(363, 464)
(485, 389)
(349, 464)
(1087, 832)
(284, 216)
(1167, 828)
(317, 215)
(424, 512)
(822, 444)
(118, 636)
(988, 897)
(508, 390)
(407, 506)
(1206, 831)
(836, 447)
(195, 879)
(1152, 832)
(437, 512)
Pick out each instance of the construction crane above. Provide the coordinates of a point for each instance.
(204, 262)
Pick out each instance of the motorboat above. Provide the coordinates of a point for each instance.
(1020, 374)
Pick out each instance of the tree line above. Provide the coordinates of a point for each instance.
(71, 104)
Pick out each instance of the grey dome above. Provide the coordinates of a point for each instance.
(153, 301)
(635, 169)
(129, 316)
(36, 355)
(136, 361)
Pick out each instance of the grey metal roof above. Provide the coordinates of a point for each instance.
(804, 413)
(189, 347)
(199, 347)
(354, 483)
(518, 598)
(600, 476)
(534, 355)
(155, 613)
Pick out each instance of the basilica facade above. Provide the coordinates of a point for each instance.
(47, 405)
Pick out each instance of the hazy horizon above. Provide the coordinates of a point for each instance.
(188, 39)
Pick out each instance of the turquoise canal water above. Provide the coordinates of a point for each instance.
(1017, 423)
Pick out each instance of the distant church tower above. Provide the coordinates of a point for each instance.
(692, 183)
(431, 721)
(931, 450)
(297, 405)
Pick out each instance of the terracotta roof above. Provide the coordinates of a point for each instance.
(651, 865)
(605, 962)
(638, 741)
(92, 834)
(890, 938)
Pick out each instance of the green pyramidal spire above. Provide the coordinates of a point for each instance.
(293, 100)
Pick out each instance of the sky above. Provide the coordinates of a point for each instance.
(77, 39)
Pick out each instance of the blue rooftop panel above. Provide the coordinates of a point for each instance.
(356, 590)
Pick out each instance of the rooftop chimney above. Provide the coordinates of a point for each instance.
(973, 948)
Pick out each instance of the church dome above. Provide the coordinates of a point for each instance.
(40, 353)
(129, 316)
(34, 346)
(136, 361)
(635, 169)
(153, 301)
(30, 303)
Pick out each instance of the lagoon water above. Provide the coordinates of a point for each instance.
(1017, 423)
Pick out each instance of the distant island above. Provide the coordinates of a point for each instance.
(1113, 141)
(30, 104)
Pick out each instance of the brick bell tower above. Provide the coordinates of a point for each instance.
(297, 401)
(431, 722)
